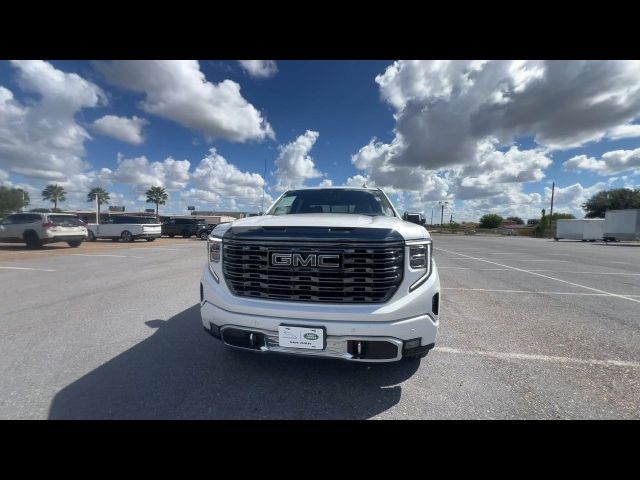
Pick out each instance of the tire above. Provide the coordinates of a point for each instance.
(186, 235)
(150, 239)
(126, 236)
(556, 238)
(91, 237)
(171, 235)
(204, 236)
(32, 240)
(75, 244)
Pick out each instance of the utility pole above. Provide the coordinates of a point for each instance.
(432, 216)
(442, 204)
(553, 190)
(97, 216)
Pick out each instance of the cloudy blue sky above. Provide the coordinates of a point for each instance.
(487, 136)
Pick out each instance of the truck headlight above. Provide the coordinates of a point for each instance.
(420, 259)
(214, 248)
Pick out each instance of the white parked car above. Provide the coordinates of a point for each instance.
(327, 272)
(37, 229)
(126, 228)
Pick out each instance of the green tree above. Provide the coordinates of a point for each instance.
(101, 194)
(490, 220)
(12, 199)
(618, 198)
(518, 220)
(55, 194)
(158, 196)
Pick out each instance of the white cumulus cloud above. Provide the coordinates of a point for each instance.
(141, 174)
(610, 163)
(294, 163)
(40, 137)
(259, 68)
(125, 129)
(218, 183)
(178, 90)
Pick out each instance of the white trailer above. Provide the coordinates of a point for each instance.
(593, 229)
(569, 229)
(585, 229)
(622, 224)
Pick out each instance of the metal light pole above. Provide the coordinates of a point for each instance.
(97, 216)
(442, 204)
(432, 216)
(264, 179)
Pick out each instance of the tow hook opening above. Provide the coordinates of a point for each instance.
(372, 349)
(243, 338)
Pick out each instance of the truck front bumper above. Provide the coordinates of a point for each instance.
(365, 333)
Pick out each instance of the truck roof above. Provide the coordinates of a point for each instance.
(333, 187)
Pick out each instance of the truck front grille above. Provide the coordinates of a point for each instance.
(365, 273)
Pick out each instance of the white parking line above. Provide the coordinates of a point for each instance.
(478, 269)
(538, 260)
(593, 273)
(101, 255)
(625, 297)
(25, 268)
(544, 358)
(530, 291)
(537, 270)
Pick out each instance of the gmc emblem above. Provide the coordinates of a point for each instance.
(304, 260)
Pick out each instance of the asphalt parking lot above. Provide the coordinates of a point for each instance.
(530, 328)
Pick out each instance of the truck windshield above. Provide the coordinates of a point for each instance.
(353, 201)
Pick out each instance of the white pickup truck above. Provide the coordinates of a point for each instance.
(326, 272)
(126, 228)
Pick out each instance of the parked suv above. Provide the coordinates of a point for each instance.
(37, 229)
(186, 227)
(326, 272)
(204, 232)
(126, 228)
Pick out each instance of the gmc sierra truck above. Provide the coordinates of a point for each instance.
(326, 272)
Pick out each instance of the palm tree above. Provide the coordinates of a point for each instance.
(158, 196)
(101, 194)
(55, 194)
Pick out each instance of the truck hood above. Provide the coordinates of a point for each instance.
(327, 221)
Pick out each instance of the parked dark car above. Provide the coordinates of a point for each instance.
(186, 227)
(204, 232)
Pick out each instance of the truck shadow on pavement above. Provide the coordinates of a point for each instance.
(180, 372)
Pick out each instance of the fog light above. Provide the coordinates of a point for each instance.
(409, 344)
